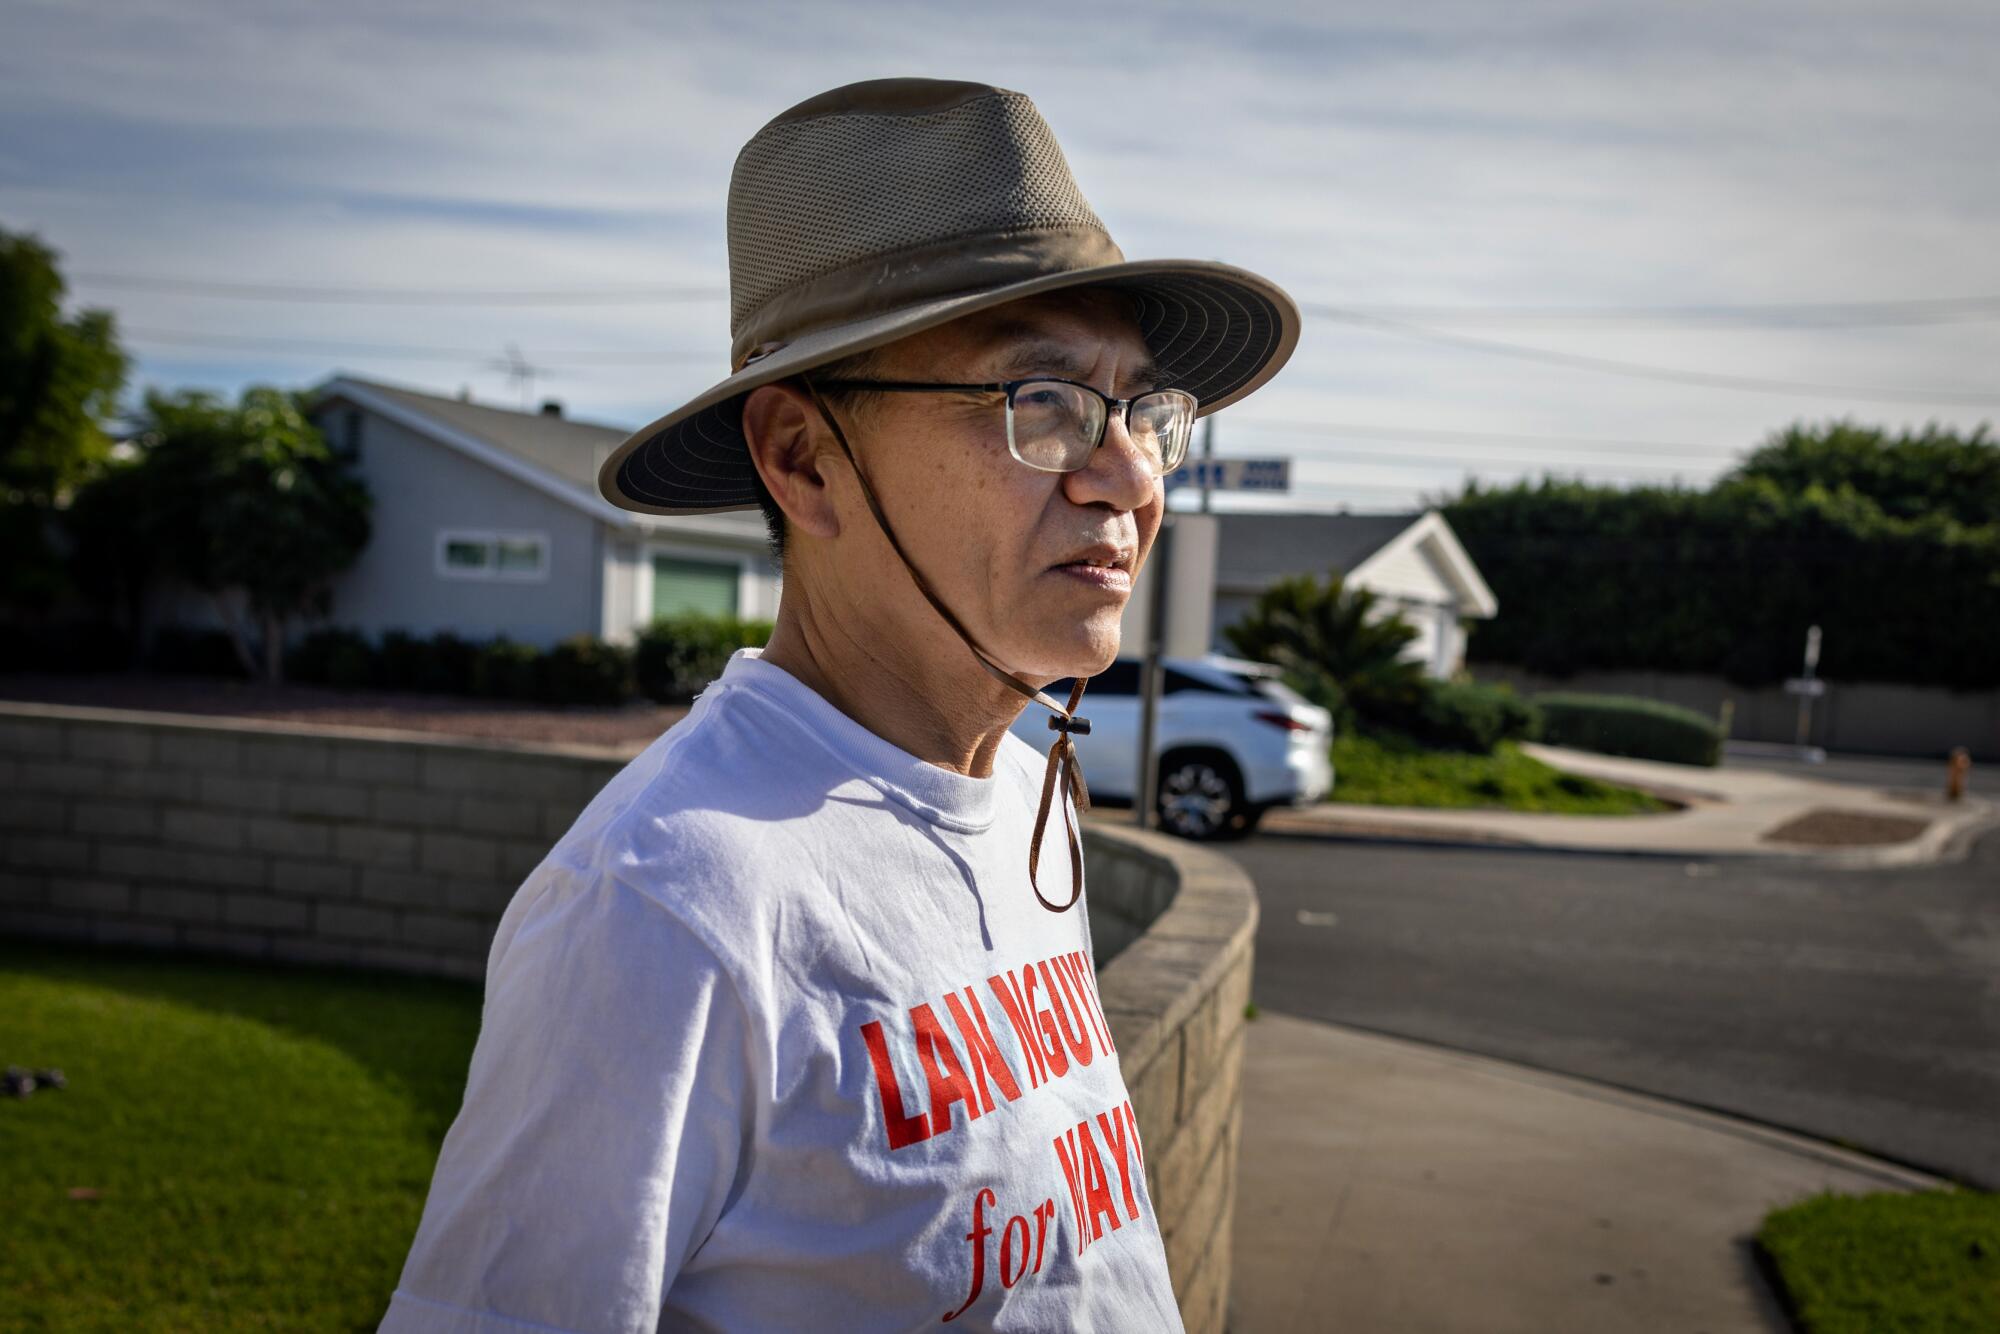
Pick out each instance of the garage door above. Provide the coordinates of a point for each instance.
(682, 586)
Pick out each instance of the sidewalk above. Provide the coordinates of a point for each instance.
(1385, 1185)
(1727, 813)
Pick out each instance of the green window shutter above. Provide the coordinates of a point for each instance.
(704, 587)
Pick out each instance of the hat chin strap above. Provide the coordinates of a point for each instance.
(1062, 755)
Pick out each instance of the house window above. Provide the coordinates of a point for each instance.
(463, 554)
(682, 586)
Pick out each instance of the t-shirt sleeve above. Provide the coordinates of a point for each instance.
(606, 1115)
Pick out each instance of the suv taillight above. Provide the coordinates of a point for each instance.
(1284, 721)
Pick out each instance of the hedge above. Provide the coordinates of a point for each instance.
(672, 661)
(178, 650)
(1726, 581)
(678, 655)
(64, 645)
(1629, 725)
(1456, 716)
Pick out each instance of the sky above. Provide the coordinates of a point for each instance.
(1608, 241)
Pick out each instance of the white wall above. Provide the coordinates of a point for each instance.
(420, 487)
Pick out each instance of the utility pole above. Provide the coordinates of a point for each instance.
(1150, 674)
(1207, 457)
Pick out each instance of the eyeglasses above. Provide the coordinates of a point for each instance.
(1056, 425)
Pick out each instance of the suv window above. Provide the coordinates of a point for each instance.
(1120, 678)
(1223, 683)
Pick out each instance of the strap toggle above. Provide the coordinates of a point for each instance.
(1070, 726)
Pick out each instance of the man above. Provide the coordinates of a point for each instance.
(796, 1028)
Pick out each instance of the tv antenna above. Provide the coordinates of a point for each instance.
(522, 372)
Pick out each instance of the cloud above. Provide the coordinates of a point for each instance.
(1536, 154)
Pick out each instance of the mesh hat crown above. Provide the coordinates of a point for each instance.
(880, 209)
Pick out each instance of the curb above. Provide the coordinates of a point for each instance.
(1943, 842)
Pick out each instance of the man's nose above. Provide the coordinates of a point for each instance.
(1119, 474)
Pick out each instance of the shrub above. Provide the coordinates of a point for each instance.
(1335, 646)
(503, 669)
(1457, 716)
(405, 662)
(179, 650)
(580, 670)
(334, 657)
(678, 656)
(1726, 580)
(64, 645)
(1629, 725)
(586, 670)
(448, 664)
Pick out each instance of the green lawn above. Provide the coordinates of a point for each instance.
(1926, 1263)
(261, 1138)
(1377, 770)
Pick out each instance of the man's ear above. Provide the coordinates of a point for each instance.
(778, 426)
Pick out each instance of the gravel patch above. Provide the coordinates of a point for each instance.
(628, 727)
(1829, 827)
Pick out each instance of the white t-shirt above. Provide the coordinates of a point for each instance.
(778, 1038)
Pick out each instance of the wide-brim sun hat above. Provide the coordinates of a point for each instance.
(881, 209)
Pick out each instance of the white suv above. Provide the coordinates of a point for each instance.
(1231, 740)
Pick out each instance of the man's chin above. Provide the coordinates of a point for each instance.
(1085, 655)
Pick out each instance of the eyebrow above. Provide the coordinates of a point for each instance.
(1033, 353)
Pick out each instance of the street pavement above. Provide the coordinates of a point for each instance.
(1857, 1006)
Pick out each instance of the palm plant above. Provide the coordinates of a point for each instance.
(1335, 644)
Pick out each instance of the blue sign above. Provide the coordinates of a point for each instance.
(1271, 475)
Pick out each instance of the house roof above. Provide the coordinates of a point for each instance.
(1255, 550)
(1263, 548)
(558, 455)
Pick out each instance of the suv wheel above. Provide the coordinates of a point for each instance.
(1201, 796)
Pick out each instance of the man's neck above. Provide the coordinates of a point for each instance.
(927, 697)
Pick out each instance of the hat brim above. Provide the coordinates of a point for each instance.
(1215, 330)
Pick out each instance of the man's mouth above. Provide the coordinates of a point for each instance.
(1105, 566)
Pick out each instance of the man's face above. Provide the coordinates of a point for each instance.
(1036, 565)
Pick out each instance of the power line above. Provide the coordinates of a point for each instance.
(1369, 432)
(1405, 458)
(634, 294)
(1574, 361)
(1778, 314)
(1636, 370)
(1772, 315)
(404, 351)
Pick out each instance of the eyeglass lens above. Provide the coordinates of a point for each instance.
(1055, 426)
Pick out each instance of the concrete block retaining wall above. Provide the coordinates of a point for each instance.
(1176, 991)
(274, 841)
(400, 851)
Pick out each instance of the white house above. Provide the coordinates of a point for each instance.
(1412, 562)
(488, 521)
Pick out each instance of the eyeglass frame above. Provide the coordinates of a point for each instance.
(1123, 407)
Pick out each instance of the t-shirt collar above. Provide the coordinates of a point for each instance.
(941, 796)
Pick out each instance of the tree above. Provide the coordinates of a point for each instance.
(1336, 647)
(247, 497)
(59, 381)
(1908, 476)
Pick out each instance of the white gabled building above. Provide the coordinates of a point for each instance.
(1413, 562)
